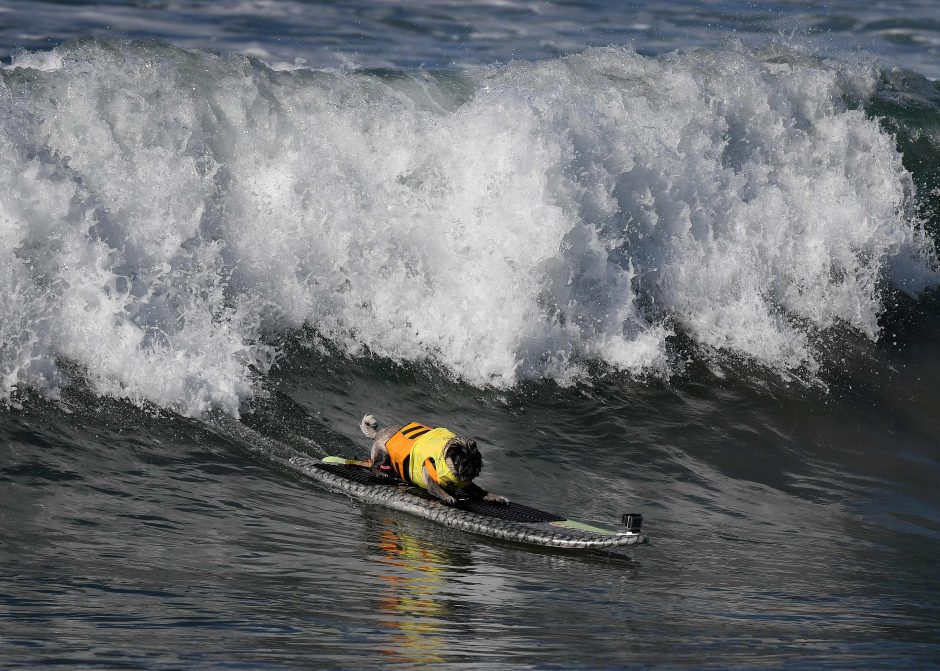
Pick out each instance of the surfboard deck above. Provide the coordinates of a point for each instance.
(513, 522)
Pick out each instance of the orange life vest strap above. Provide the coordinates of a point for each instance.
(429, 464)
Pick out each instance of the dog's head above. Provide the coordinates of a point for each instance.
(463, 457)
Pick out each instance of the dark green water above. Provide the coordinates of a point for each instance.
(787, 532)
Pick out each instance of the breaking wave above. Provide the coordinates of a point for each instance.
(167, 216)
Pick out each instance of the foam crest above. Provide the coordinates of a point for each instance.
(169, 214)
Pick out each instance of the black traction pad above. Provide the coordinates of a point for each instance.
(514, 512)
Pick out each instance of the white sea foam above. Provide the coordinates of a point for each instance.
(161, 212)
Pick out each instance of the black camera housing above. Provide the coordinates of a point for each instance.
(633, 522)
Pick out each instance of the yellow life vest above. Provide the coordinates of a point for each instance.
(417, 445)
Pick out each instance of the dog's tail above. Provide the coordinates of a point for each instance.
(369, 426)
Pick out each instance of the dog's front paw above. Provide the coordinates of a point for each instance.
(379, 472)
(448, 500)
(496, 498)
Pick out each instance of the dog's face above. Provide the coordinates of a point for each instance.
(463, 458)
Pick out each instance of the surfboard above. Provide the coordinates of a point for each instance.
(512, 522)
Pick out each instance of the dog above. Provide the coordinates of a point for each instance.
(434, 459)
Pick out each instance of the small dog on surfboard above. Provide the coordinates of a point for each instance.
(435, 459)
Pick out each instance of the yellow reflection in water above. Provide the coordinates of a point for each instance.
(413, 598)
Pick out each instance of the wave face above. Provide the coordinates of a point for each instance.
(167, 215)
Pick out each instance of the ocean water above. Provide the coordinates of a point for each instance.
(677, 259)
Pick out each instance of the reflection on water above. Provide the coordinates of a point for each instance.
(412, 596)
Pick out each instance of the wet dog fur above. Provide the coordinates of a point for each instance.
(461, 454)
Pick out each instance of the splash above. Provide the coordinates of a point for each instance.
(166, 215)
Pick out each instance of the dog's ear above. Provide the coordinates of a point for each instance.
(476, 459)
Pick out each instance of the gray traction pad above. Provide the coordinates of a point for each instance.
(514, 512)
